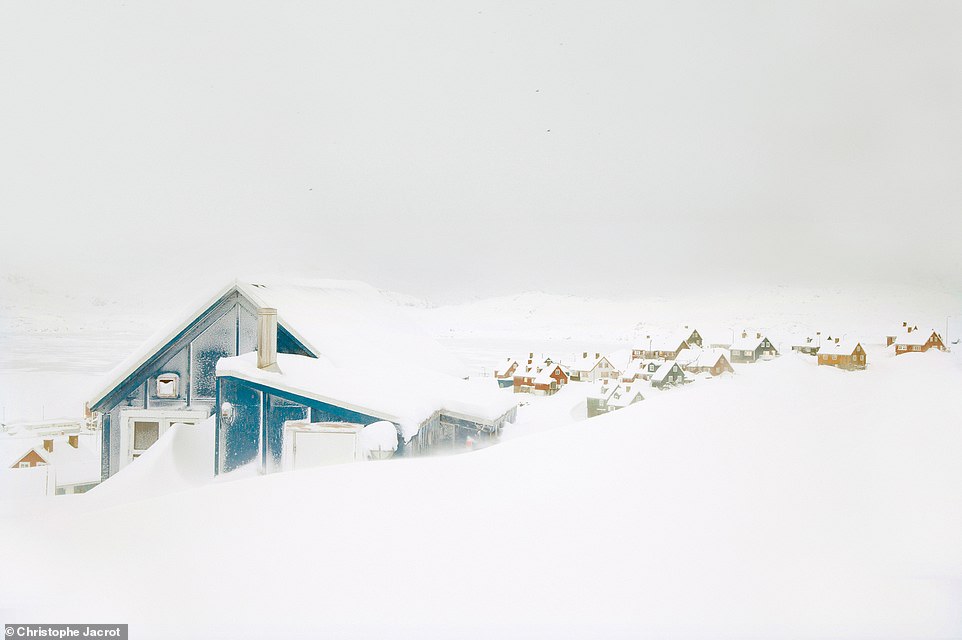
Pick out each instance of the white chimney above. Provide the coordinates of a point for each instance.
(266, 338)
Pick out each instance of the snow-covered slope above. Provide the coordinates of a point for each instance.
(787, 501)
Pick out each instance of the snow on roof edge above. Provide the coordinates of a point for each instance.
(152, 345)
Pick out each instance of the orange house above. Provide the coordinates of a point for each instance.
(30, 459)
(842, 354)
(917, 341)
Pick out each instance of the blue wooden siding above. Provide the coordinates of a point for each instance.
(256, 430)
(226, 328)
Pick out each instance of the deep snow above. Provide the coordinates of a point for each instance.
(787, 501)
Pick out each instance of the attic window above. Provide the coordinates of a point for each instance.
(167, 384)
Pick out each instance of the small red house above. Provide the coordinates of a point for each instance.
(545, 381)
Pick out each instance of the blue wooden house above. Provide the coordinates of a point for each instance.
(173, 378)
(256, 402)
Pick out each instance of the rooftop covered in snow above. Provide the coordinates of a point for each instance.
(406, 400)
(351, 324)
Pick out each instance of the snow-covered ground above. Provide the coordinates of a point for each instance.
(787, 501)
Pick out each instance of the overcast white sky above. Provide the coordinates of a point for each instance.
(472, 148)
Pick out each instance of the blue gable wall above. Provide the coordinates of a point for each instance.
(255, 430)
(226, 328)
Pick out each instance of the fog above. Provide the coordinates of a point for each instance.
(452, 150)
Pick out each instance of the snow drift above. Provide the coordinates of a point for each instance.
(787, 501)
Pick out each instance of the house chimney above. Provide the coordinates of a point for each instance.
(266, 338)
(73, 440)
(908, 329)
(597, 355)
(836, 340)
(904, 324)
(758, 335)
(48, 444)
(584, 355)
(744, 335)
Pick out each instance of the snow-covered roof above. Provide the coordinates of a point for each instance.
(840, 348)
(688, 356)
(502, 367)
(639, 365)
(526, 371)
(12, 449)
(353, 325)
(72, 465)
(664, 370)
(619, 359)
(805, 341)
(587, 364)
(544, 376)
(603, 389)
(748, 343)
(701, 357)
(900, 329)
(624, 394)
(76, 465)
(916, 338)
(350, 323)
(406, 400)
(663, 342)
(582, 363)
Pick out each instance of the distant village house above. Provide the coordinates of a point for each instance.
(844, 354)
(747, 349)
